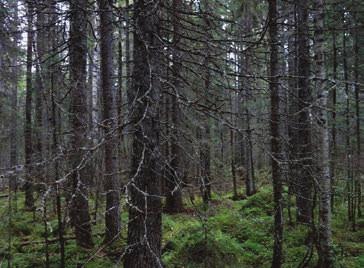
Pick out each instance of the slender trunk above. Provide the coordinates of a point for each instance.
(128, 67)
(111, 180)
(333, 128)
(10, 223)
(39, 90)
(127, 45)
(174, 202)
(119, 104)
(348, 149)
(144, 227)
(357, 127)
(232, 162)
(249, 161)
(55, 76)
(232, 141)
(275, 136)
(28, 150)
(325, 252)
(14, 111)
(205, 158)
(78, 120)
(45, 225)
(56, 173)
(248, 143)
(293, 102)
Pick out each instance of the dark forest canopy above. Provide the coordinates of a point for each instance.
(181, 133)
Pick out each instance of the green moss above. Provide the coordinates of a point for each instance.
(231, 234)
(197, 248)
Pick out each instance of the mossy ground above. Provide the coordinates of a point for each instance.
(227, 234)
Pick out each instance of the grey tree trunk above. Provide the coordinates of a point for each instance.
(325, 252)
(144, 186)
(79, 211)
(111, 180)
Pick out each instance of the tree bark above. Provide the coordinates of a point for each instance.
(144, 227)
(304, 154)
(275, 136)
(14, 108)
(40, 58)
(325, 252)
(357, 121)
(333, 128)
(111, 180)
(28, 150)
(348, 145)
(78, 120)
(174, 182)
(205, 151)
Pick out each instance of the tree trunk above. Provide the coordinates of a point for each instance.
(293, 102)
(333, 128)
(174, 182)
(357, 121)
(144, 227)
(348, 148)
(78, 120)
(111, 180)
(304, 161)
(205, 158)
(325, 252)
(275, 136)
(247, 143)
(14, 108)
(28, 150)
(39, 90)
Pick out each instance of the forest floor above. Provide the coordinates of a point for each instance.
(227, 234)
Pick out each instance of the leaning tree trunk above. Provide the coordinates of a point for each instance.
(325, 253)
(144, 227)
(28, 150)
(275, 136)
(111, 185)
(79, 211)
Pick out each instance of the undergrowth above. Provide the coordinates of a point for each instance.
(227, 234)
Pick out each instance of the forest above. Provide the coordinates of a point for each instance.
(181, 133)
